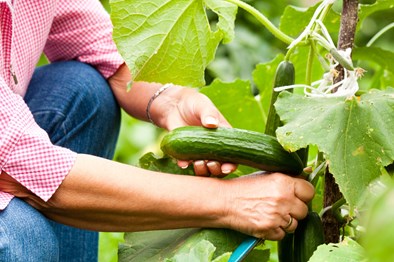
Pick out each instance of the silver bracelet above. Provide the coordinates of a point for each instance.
(155, 95)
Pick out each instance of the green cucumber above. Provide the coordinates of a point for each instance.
(286, 248)
(308, 236)
(284, 76)
(231, 145)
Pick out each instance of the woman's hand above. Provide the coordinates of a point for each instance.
(181, 106)
(267, 206)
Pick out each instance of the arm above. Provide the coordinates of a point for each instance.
(118, 197)
(175, 107)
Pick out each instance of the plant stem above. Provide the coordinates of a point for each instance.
(263, 20)
(379, 34)
(289, 52)
(325, 12)
(332, 193)
(309, 65)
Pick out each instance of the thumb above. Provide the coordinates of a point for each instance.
(212, 118)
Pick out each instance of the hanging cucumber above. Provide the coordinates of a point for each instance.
(284, 76)
(307, 237)
(286, 248)
(231, 145)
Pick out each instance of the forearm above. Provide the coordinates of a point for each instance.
(135, 98)
(132, 100)
(117, 197)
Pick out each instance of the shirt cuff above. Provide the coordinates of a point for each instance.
(37, 164)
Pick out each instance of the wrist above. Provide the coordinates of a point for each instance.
(152, 99)
(160, 106)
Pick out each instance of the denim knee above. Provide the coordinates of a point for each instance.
(26, 235)
(75, 105)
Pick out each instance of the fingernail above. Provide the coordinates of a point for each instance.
(226, 171)
(199, 163)
(184, 166)
(212, 164)
(210, 120)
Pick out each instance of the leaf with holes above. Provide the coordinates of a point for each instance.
(355, 136)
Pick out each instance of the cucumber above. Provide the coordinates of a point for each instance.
(286, 248)
(231, 145)
(307, 237)
(284, 76)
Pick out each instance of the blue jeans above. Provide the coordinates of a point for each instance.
(75, 105)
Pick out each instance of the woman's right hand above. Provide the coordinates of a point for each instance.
(267, 205)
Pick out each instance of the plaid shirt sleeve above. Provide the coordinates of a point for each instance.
(82, 30)
(26, 153)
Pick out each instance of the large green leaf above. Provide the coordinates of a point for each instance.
(355, 136)
(170, 40)
(174, 244)
(346, 251)
(237, 103)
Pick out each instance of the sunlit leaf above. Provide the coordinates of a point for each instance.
(154, 246)
(346, 251)
(200, 252)
(162, 40)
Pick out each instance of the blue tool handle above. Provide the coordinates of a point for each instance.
(244, 249)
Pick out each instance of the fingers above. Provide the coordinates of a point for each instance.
(209, 115)
(183, 163)
(299, 209)
(210, 121)
(200, 168)
(214, 168)
(290, 224)
(303, 190)
(276, 201)
(208, 167)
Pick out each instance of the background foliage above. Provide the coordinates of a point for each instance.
(251, 45)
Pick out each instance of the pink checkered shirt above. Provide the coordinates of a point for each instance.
(63, 30)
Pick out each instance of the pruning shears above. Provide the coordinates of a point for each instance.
(244, 249)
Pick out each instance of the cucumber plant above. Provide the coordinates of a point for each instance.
(341, 106)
